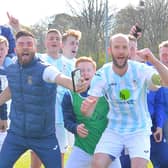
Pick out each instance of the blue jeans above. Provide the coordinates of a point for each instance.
(46, 148)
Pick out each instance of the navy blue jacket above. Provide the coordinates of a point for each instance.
(33, 100)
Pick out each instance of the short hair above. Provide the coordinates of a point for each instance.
(71, 32)
(163, 44)
(54, 31)
(85, 59)
(3, 39)
(24, 33)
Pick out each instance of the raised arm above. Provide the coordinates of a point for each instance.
(53, 75)
(14, 22)
(147, 55)
(163, 71)
(66, 82)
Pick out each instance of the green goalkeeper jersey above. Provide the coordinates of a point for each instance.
(94, 124)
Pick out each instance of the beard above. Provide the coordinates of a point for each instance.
(120, 66)
(25, 59)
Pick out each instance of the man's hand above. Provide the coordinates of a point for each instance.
(146, 55)
(134, 31)
(66, 82)
(88, 105)
(14, 22)
(82, 131)
(158, 134)
(3, 125)
(5, 96)
(81, 86)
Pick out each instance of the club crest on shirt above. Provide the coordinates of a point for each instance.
(29, 80)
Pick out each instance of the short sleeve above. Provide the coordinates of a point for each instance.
(50, 73)
(98, 84)
(150, 74)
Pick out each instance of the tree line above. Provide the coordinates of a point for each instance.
(89, 18)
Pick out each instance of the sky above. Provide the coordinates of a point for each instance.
(31, 11)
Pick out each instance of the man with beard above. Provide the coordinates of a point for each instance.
(32, 88)
(159, 148)
(53, 43)
(125, 82)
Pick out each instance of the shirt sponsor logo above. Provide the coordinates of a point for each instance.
(125, 94)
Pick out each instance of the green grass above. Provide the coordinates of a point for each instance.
(24, 161)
